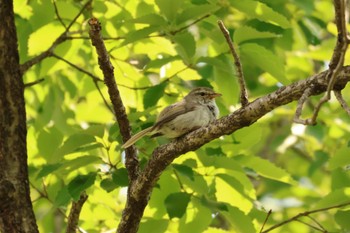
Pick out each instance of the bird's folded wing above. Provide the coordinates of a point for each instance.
(173, 111)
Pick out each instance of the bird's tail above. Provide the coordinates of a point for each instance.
(136, 137)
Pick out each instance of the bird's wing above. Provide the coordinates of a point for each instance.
(173, 111)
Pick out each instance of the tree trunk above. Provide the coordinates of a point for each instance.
(16, 214)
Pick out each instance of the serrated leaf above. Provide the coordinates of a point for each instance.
(266, 169)
(120, 177)
(248, 33)
(240, 222)
(71, 165)
(340, 159)
(153, 225)
(153, 94)
(42, 39)
(81, 183)
(195, 12)
(266, 60)
(73, 142)
(169, 8)
(47, 169)
(334, 198)
(63, 197)
(185, 170)
(185, 46)
(139, 34)
(176, 204)
(151, 19)
(108, 185)
(157, 63)
(261, 11)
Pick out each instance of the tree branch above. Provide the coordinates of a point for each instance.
(107, 68)
(307, 213)
(73, 217)
(337, 61)
(238, 65)
(162, 156)
(63, 37)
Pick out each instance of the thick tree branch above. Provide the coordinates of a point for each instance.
(107, 68)
(162, 156)
(16, 210)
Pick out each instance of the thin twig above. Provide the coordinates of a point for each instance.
(74, 214)
(238, 65)
(316, 222)
(33, 83)
(342, 102)
(187, 26)
(337, 61)
(58, 15)
(300, 105)
(63, 37)
(95, 79)
(310, 225)
(296, 217)
(267, 217)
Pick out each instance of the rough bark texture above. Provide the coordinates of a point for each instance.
(141, 188)
(16, 214)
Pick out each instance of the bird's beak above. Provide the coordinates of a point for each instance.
(214, 95)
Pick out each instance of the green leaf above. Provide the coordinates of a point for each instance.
(238, 220)
(153, 94)
(266, 60)
(259, 10)
(169, 8)
(108, 184)
(42, 39)
(185, 170)
(47, 169)
(195, 12)
(340, 159)
(246, 33)
(157, 63)
(81, 183)
(82, 161)
(334, 198)
(49, 140)
(342, 218)
(176, 204)
(185, 46)
(139, 34)
(154, 226)
(151, 19)
(266, 169)
(120, 177)
(63, 197)
(74, 142)
(214, 205)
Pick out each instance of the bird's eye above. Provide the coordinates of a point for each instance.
(202, 93)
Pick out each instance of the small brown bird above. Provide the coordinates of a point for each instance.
(195, 110)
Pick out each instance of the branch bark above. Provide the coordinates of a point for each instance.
(162, 156)
(16, 214)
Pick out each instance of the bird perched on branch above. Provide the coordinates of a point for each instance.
(195, 110)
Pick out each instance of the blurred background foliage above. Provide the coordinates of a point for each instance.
(160, 50)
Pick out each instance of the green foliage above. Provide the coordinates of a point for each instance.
(160, 50)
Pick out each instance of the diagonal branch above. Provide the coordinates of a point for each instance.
(74, 214)
(307, 213)
(162, 156)
(238, 65)
(107, 68)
